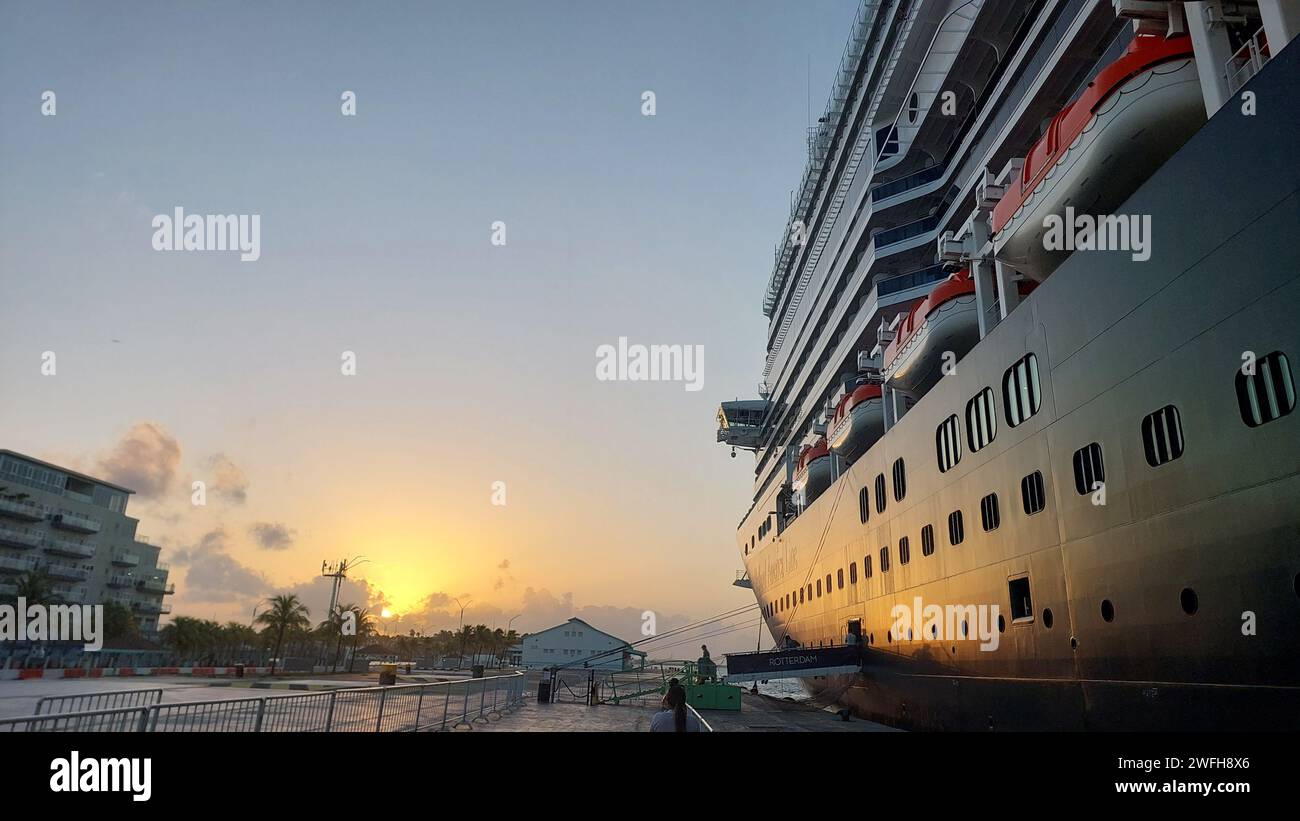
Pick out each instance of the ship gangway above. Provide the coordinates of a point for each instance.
(793, 662)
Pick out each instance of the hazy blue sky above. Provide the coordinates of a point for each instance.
(475, 363)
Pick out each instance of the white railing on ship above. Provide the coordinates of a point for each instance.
(1247, 61)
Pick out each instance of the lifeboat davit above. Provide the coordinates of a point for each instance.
(1100, 149)
(946, 320)
(814, 472)
(859, 421)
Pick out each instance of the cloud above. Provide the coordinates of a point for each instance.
(228, 480)
(505, 565)
(213, 575)
(145, 460)
(272, 536)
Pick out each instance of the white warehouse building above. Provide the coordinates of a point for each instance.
(578, 644)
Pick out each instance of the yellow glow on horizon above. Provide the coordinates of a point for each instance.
(386, 614)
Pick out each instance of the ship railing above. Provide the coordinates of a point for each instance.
(445, 705)
(1247, 61)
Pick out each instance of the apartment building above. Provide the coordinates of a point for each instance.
(75, 528)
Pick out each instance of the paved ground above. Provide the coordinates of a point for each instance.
(757, 713)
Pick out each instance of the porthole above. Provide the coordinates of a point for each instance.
(1047, 617)
(1189, 601)
(1002, 624)
(909, 634)
(889, 636)
(1074, 643)
(965, 629)
(1107, 610)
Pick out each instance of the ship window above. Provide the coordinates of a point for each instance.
(913, 108)
(810, 591)
(819, 588)
(866, 567)
(853, 572)
(947, 443)
(1021, 393)
(880, 493)
(1032, 493)
(828, 584)
(801, 595)
(884, 559)
(904, 550)
(1268, 393)
(839, 579)
(989, 516)
(1021, 606)
(981, 420)
(900, 480)
(864, 506)
(1089, 470)
(1162, 436)
(956, 531)
(927, 540)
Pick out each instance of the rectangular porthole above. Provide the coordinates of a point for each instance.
(981, 420)
(947, 443)
(1021, 392)
(1089, 469)
(1032, 493)
(956, 530)
(927, 540)
(880, 493)
(989, 516)
(1162, 436)
(1267, 393)
(900, 480)
(904, 550)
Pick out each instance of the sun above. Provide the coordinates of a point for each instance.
(386, 613)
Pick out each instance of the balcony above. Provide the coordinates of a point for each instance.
(155, 585)
(26, 511)
(68, 547)
(151, 607)
(16, 564)
(67, 593)
(15, 536)
(120, 580)
(71, 521)
(60, 570)
(121, 558)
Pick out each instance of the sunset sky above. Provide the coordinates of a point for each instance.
(475, 363)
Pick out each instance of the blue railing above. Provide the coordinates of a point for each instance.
(912, 279)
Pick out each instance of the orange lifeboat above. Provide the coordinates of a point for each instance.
(814, 473)
(859, 421)
(945, 321)
(1100, 149)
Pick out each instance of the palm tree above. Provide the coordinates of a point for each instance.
(35, 587)
(365, 625)
(285, 613)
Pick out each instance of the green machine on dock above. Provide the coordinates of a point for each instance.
(704, 691)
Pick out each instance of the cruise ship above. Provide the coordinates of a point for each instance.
(1030, 357)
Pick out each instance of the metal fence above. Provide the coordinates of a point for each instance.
(89, 702)
(445, 705)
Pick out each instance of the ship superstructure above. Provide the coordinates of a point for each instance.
(960, 408)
